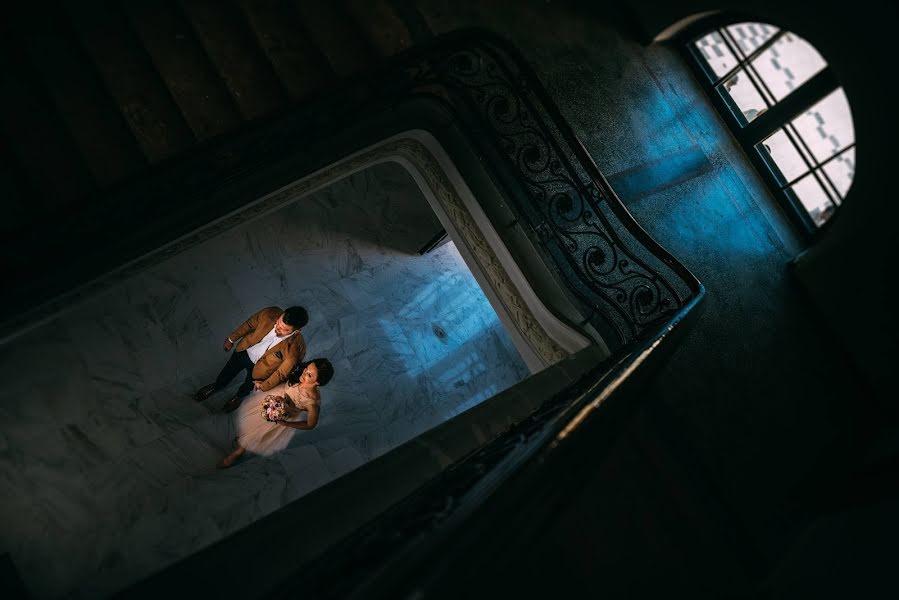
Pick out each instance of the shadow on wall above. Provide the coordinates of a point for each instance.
(392, 222)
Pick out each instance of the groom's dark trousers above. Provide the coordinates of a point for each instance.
(238, 362)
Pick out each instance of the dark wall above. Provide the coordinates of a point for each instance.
(844, 271)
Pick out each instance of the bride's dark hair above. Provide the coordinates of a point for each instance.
(325, 371)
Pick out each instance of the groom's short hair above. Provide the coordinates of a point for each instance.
(296, 317)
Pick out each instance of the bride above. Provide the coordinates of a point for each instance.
(300, 392)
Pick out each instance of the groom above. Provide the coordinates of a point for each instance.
(269, 344)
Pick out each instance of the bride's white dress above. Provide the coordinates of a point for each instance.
(263, 437)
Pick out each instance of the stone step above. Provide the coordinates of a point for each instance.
(99, 90)
(78, 95)
(332, 29)
(237, 57)
(181, 60)
(36, 134)
(301, 66)
(17, 192)
(383, 27)
(131, 79)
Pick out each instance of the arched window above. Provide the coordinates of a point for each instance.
(786, 109)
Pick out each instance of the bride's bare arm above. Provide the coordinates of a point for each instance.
(310, 422)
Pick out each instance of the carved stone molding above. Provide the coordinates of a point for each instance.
(472, 236)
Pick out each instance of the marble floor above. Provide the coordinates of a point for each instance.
(107, 464)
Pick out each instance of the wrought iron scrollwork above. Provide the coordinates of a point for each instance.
(623, 277)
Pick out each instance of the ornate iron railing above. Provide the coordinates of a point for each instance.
(625, 281)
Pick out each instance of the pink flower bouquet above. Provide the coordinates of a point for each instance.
(274, 408)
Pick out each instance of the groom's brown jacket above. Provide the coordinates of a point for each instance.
(274, 366)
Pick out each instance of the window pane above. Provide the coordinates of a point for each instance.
(716, 53)
(787, 64)
(827, 126)
(745, 95)
(750, 36)
(813, 198)
(841, 170)
(784, 155)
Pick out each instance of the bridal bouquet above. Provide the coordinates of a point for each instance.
(274, 408)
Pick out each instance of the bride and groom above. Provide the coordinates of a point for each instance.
(270, 348)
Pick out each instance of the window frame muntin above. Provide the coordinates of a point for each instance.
(778, 116)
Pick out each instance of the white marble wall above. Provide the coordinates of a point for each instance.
(107, 464)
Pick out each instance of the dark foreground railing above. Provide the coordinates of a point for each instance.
(622, 279)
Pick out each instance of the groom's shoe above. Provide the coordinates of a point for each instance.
(204, 392)
(232, 404)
